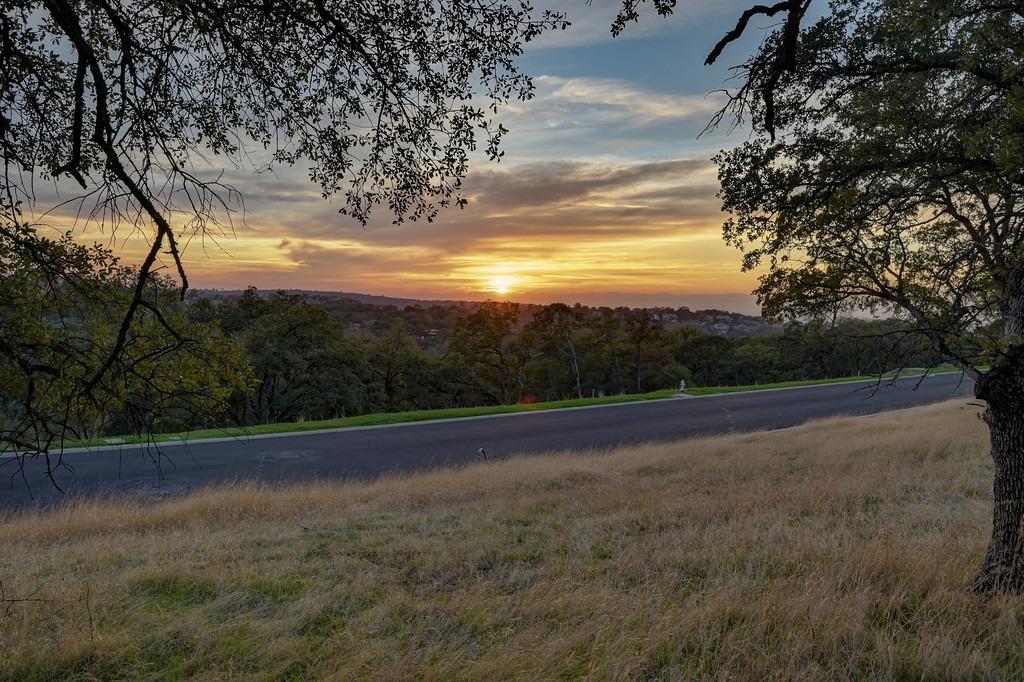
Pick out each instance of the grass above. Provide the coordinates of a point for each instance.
(715, 390)
(384, 418)
(840, 549)
(377, 419)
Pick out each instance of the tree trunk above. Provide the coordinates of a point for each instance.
(575, 366)
(1003, 389)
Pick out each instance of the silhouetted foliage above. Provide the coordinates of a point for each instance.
(131, 107)
(885, 174)
(56, 329)
(362, 359)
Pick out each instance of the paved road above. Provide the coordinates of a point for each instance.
(372, 451)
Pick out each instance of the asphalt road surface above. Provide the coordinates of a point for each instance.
(368, 452)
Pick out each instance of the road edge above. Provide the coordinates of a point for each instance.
(312, 432)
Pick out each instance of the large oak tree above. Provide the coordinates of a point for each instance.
(132, 109)
(885, 173)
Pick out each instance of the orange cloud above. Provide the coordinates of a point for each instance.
(547, 231)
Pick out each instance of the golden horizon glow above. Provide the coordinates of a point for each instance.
(502, 284)
(618, 243)
(530, 269)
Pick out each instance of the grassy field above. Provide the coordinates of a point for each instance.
(715, 390)
(841, 549)
(429, 415)
(384, 418)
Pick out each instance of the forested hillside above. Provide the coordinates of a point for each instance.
(317, 358)
(437, 318)
(266, 357)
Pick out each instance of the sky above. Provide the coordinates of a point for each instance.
(605, 194)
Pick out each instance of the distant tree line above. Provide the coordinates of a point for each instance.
(256, 358)
(307, 363)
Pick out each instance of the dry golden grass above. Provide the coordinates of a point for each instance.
(844, 548)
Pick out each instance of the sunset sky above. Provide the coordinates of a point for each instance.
(605, 194)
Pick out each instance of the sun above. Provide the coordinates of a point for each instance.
(502, 284)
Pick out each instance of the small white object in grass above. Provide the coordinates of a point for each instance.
(482, 454)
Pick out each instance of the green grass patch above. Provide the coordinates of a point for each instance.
(459, 412)
(171, 591)
(714, 390)
(375, 419)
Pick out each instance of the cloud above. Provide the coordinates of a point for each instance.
(615, 97)
(574, 218)
(560, 229)
(567, 182)
(568, 270)
(554, 200)
(591, 21)
(566, 200)
(591, 24)
(603, 190)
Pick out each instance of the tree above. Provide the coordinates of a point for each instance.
(400, 372)
(304, 367)
(557, 329)
(139, 104)
(645, 342)
(485, 343)
(708, 357)
(604, 364)
(56, 330)
(885, 175)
